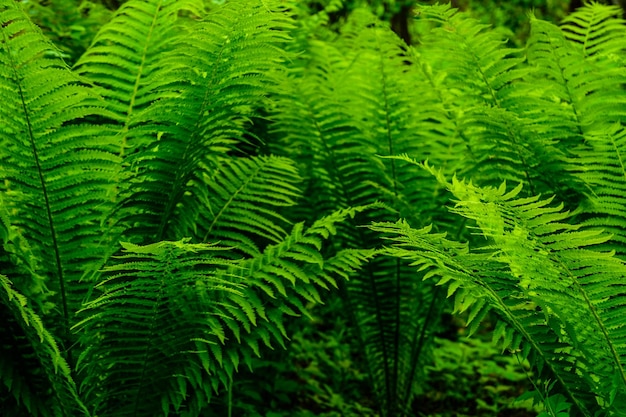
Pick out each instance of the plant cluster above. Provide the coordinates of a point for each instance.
(204, 172)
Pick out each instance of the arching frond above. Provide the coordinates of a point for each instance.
(243, 201)
(586, 110)
(125, 62)
(140, 333)
(498, 109)
(175, 319)
(559, 296)
(315, 125)
(558, 69)
(35, 379)
(601, 165)
(55, 169)
(588, 92)
(598, 30)
(351, 101)
(219, 75)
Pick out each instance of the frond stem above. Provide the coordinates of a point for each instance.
(44, 190)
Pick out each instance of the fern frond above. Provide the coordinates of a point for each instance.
(601, 165)
(176, 319)
(389, 95)
(243, 199)
(35, 379)
(353, 100)
(481, 55)
(598, 30)
(577, 289)
(496, 106)
(140, 333)
(586, 110)
(125, 62)
(56, 170)
(560, 297)
(219, 75)
(558, 67)
(315, 126)
(586, 94)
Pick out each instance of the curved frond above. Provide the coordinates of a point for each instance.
(220, 73)
(587, 92)
(316, 126)
(243, 202)
(35, 379)
(598, 30)
(353, 100)
(601, 165)
(175, 319)
(586, 109)
(498, 108)
(140, 333)
(125, 62)
(55, 168)
(559, 69)
(561, 298)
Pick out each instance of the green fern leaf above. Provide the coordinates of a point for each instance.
(349, 102)
(585, 93)
(560, 299)
(170, 309)
(601, 165)
(243, 199)
(55, 168)
(35, 379)
(152, 315)
(125, 62)
(598, 30)
(217, 76)
(499, 111)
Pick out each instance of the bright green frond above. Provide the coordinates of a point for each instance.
(505, 111)
(601, 165)
(583, 95)
(598, 30)
(243, 201)
(557, 71)
(55, 169)
(492, 102)
(125, 61)
(559, 296)
(176, 314)
(220, 74)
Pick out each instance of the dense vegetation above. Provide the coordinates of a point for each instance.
(272, 208)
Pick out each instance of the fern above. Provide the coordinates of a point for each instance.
(243, 199)
(349, 101)
(503, 118)
(137, 145)
(598, 30)
(202, 114)
(36, 379)
(236, 152)
(56, 182)
(125, 63)
(561, 300)
(179, 318)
